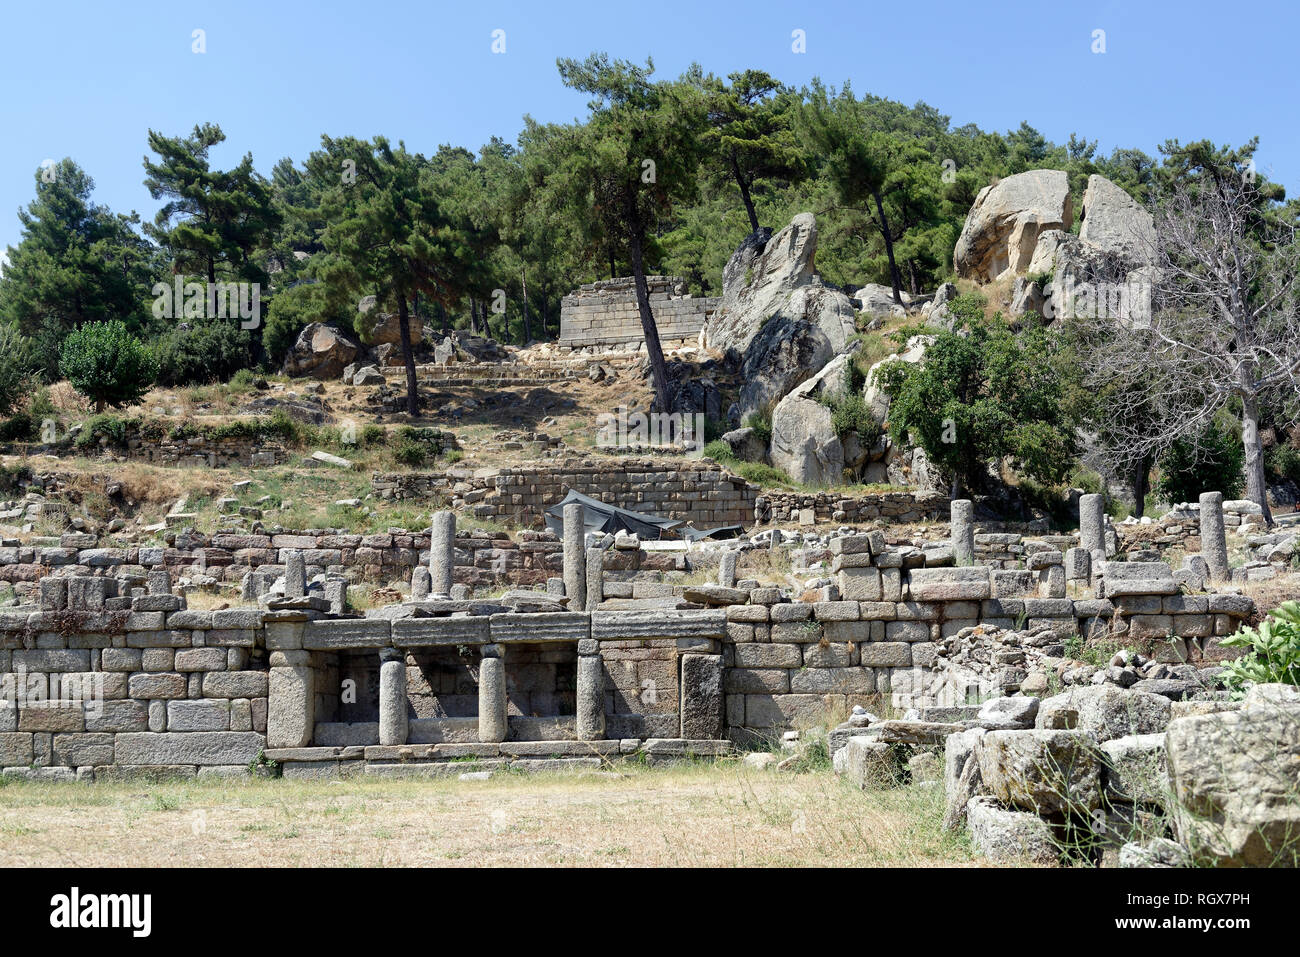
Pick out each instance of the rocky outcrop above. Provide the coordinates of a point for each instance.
(321, 351)
(1113, 221)
(877, 300)
(776, 316)
(1003, 226)
(1104, 272)
(784, 354)
(804, 443)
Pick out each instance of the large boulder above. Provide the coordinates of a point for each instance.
(776, 315)
(1108, 711)
(1113, 220)
(804, 443)
(382, 327)
(785, 353)
(1236, 776)
(758, 281)
(877, 300)
(1003, 225)
(321, 351)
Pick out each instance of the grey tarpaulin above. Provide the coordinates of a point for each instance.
(600, 517)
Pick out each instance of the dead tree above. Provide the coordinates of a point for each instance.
(1222, 334)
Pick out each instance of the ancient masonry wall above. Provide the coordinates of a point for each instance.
(605, 315)
(197, 450)
(101, 679)
(480, 558)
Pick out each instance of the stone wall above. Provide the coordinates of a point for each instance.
(603, 315)
(99, 682)
(144, 684)
(698, 491)
(157, 447)
(808, 508)
(481, 558)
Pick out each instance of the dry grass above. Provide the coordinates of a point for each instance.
(694, 815)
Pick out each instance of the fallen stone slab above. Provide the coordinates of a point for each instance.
(913, 732)
(1107, 711)
(336, 460)
(1234, 775)
(715, 595)
(1009, 836)
(1047, 772)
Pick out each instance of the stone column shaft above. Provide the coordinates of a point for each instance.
(442, 554)
(575, 558)
(595, 578)
(590, 718)
(493, 723)
(394, 725)
(1092, 527)
(962, 514)
(1214, 540)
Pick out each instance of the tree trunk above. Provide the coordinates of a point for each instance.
(658, 368)
(473, 315)
(894, 276)
(744, 194)
(612, 273)
(523, 284)
(1256, 485)
(408, 357)
(1140, 484)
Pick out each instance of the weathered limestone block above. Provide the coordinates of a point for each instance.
(327, 635)
(1042, 771)
(416, 632)
(1136, 768)
(291, 700)
(1004, 836)
(1107, 711)
(869, 764)
(950, 584)
(191, 747)
(1234, 776)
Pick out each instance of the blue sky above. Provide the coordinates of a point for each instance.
(87, 80)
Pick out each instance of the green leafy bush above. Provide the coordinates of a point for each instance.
(1283, 462)
(761, 423)
(111, 428)
(107, 364)
(206, 350)
(1213, 463)
(20, 427)
(1274, 651)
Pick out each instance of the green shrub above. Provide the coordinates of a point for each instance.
(415, 446)
(207, 350)
(20, 427)
(107, 364)
(761, 423)
(720, 452)
(111, 428)
(852, 414)
(1213, 463)
(1283, 462)
(1274, 651)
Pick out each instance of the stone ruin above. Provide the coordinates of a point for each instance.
(604, 315)
(116, 675)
